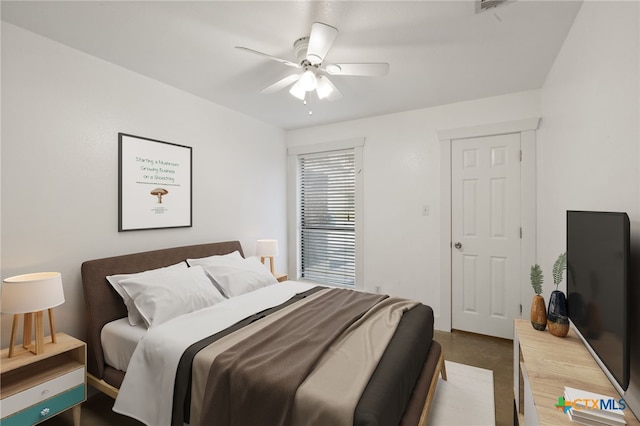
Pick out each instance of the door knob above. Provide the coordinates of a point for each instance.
(458, 245)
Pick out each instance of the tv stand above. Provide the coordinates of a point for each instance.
(543, 365)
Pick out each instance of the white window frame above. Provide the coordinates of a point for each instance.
(357, 144)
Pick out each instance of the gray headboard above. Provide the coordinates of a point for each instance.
(104, 305)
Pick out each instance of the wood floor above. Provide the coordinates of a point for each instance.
(466, 348)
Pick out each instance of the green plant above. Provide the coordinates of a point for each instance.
(559, 267)
(536, 278)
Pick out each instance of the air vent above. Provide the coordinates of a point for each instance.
(482, 5)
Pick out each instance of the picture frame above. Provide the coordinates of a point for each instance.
(154, 184)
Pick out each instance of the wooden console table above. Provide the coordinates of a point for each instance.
(543, 365)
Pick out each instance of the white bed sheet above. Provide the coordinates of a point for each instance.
(146, 393)
(119, 340)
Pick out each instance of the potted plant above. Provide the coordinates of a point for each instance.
(538, 309)
(557, 317)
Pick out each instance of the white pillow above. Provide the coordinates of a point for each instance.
(161, 297)
(238, 276)
(202, 260)
(212, 260)
(134, 316)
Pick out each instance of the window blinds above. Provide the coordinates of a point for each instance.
(327, 217)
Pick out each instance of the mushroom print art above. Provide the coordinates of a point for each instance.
(159, 192)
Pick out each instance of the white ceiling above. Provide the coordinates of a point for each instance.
(439, 51)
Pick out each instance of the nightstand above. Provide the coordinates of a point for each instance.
(281, 277)
(36, 387)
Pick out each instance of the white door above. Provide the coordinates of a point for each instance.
(486, 236)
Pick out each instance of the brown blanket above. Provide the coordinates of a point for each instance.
(330, 394)
(257, 378)
(203, 360)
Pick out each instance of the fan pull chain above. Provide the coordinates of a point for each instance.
(304, 102)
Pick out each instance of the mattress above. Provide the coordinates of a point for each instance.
(119, 340)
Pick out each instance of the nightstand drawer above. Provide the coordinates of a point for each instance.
(41, 392)
(45, 409)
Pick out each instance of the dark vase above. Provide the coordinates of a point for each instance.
(538, 313)
(557, 317)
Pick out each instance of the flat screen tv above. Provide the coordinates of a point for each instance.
(598, 255)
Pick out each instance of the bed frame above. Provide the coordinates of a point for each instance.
(104, 305)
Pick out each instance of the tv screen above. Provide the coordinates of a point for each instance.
(597, 273)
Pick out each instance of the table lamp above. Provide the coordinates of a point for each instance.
(31, 295)
(267, 249)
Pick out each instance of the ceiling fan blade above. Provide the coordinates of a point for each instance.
(273, 58)
(281, 84)
(374, 69)
(320, 40)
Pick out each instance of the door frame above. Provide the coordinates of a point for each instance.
(527, 128)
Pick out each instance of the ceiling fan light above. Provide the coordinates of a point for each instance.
(297, 91)
(324, 88)
(333, 69)
(308, 81)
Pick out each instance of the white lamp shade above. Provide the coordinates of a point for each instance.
(267, 248)
(308, 81)
(31, 292)
(325, 88)
(297, 91)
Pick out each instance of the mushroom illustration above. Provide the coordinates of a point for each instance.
(159, 192)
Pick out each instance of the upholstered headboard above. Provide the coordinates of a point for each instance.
(104, 305)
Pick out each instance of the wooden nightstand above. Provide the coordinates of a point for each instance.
(281, 277)
(36, 387)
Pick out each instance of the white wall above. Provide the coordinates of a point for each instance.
(61, 113)
(589, 140)
(401, 174)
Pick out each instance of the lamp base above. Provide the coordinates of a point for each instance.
(262, 258)
(38, 346)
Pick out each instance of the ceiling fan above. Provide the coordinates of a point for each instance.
(313, 73)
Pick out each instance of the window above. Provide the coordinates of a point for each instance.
(327, 217)
(325, 201)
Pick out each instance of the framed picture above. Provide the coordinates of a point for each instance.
(154, 184)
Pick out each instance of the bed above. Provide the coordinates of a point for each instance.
(392, 394)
